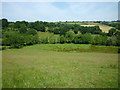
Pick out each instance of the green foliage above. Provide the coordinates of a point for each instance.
(83, 38)
(56, 31)
(62, 39)
(28, 33)
(51, 30)
(70, 36)
(111, 41)
(39, 26)
(4, 23)
(11, 25)
(86, 38)
(54, 39)
(44, 40)
(77, 39)
(99, 40)
(17, 40)
(19, 24)
(114, 40)
(31, 32)
(23, 30)
(115, 24)
(13, 39)
(111, 31)
(51, 39)
(0, 34)
(92, 30)
(63, 30)
(30, 39)
(103, 34)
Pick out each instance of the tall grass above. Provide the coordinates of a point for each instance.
(75, 48)
(45, 66)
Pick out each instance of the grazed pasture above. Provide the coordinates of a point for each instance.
(45, 66)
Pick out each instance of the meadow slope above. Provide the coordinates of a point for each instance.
(41, 66)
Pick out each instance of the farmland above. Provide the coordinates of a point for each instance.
(59, 55)
(59, 44)
(103, 27)
(60, 66)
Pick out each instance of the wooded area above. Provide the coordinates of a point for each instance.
(22, 33)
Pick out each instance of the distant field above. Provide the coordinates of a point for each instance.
(88, 25)
(104, 28)
(60, 66)
(79, 23)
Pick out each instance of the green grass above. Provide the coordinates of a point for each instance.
(45, 66)
(57, 47)
(74, 48)
(44, 34)
(0, 69)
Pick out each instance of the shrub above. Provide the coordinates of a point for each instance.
(83, 38)
(62, 39)
(99, 40)
(31, 32)
(70, 36)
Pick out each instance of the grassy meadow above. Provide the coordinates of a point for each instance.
(60, 66)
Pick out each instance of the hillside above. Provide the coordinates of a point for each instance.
(104, 28)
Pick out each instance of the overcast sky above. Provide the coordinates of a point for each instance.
(60, 11)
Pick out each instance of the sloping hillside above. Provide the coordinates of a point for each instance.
(104, 28)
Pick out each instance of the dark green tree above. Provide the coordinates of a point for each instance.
(5, 23)
(31, 31)
(99, 40)
(70, 36)
(111, 31)
(63, 39)
(23, 29)
(13, 39)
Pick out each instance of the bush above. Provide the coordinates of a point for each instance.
(4, 47)
(16, 46)
(99, 40)
(70, 36)
(111, 31)
(17, 40)
(12, 38)
(62, 39)
(83, 38)
(54, 39)
(112, 41)
(31, 32)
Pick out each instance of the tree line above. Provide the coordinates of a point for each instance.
(22, 33)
